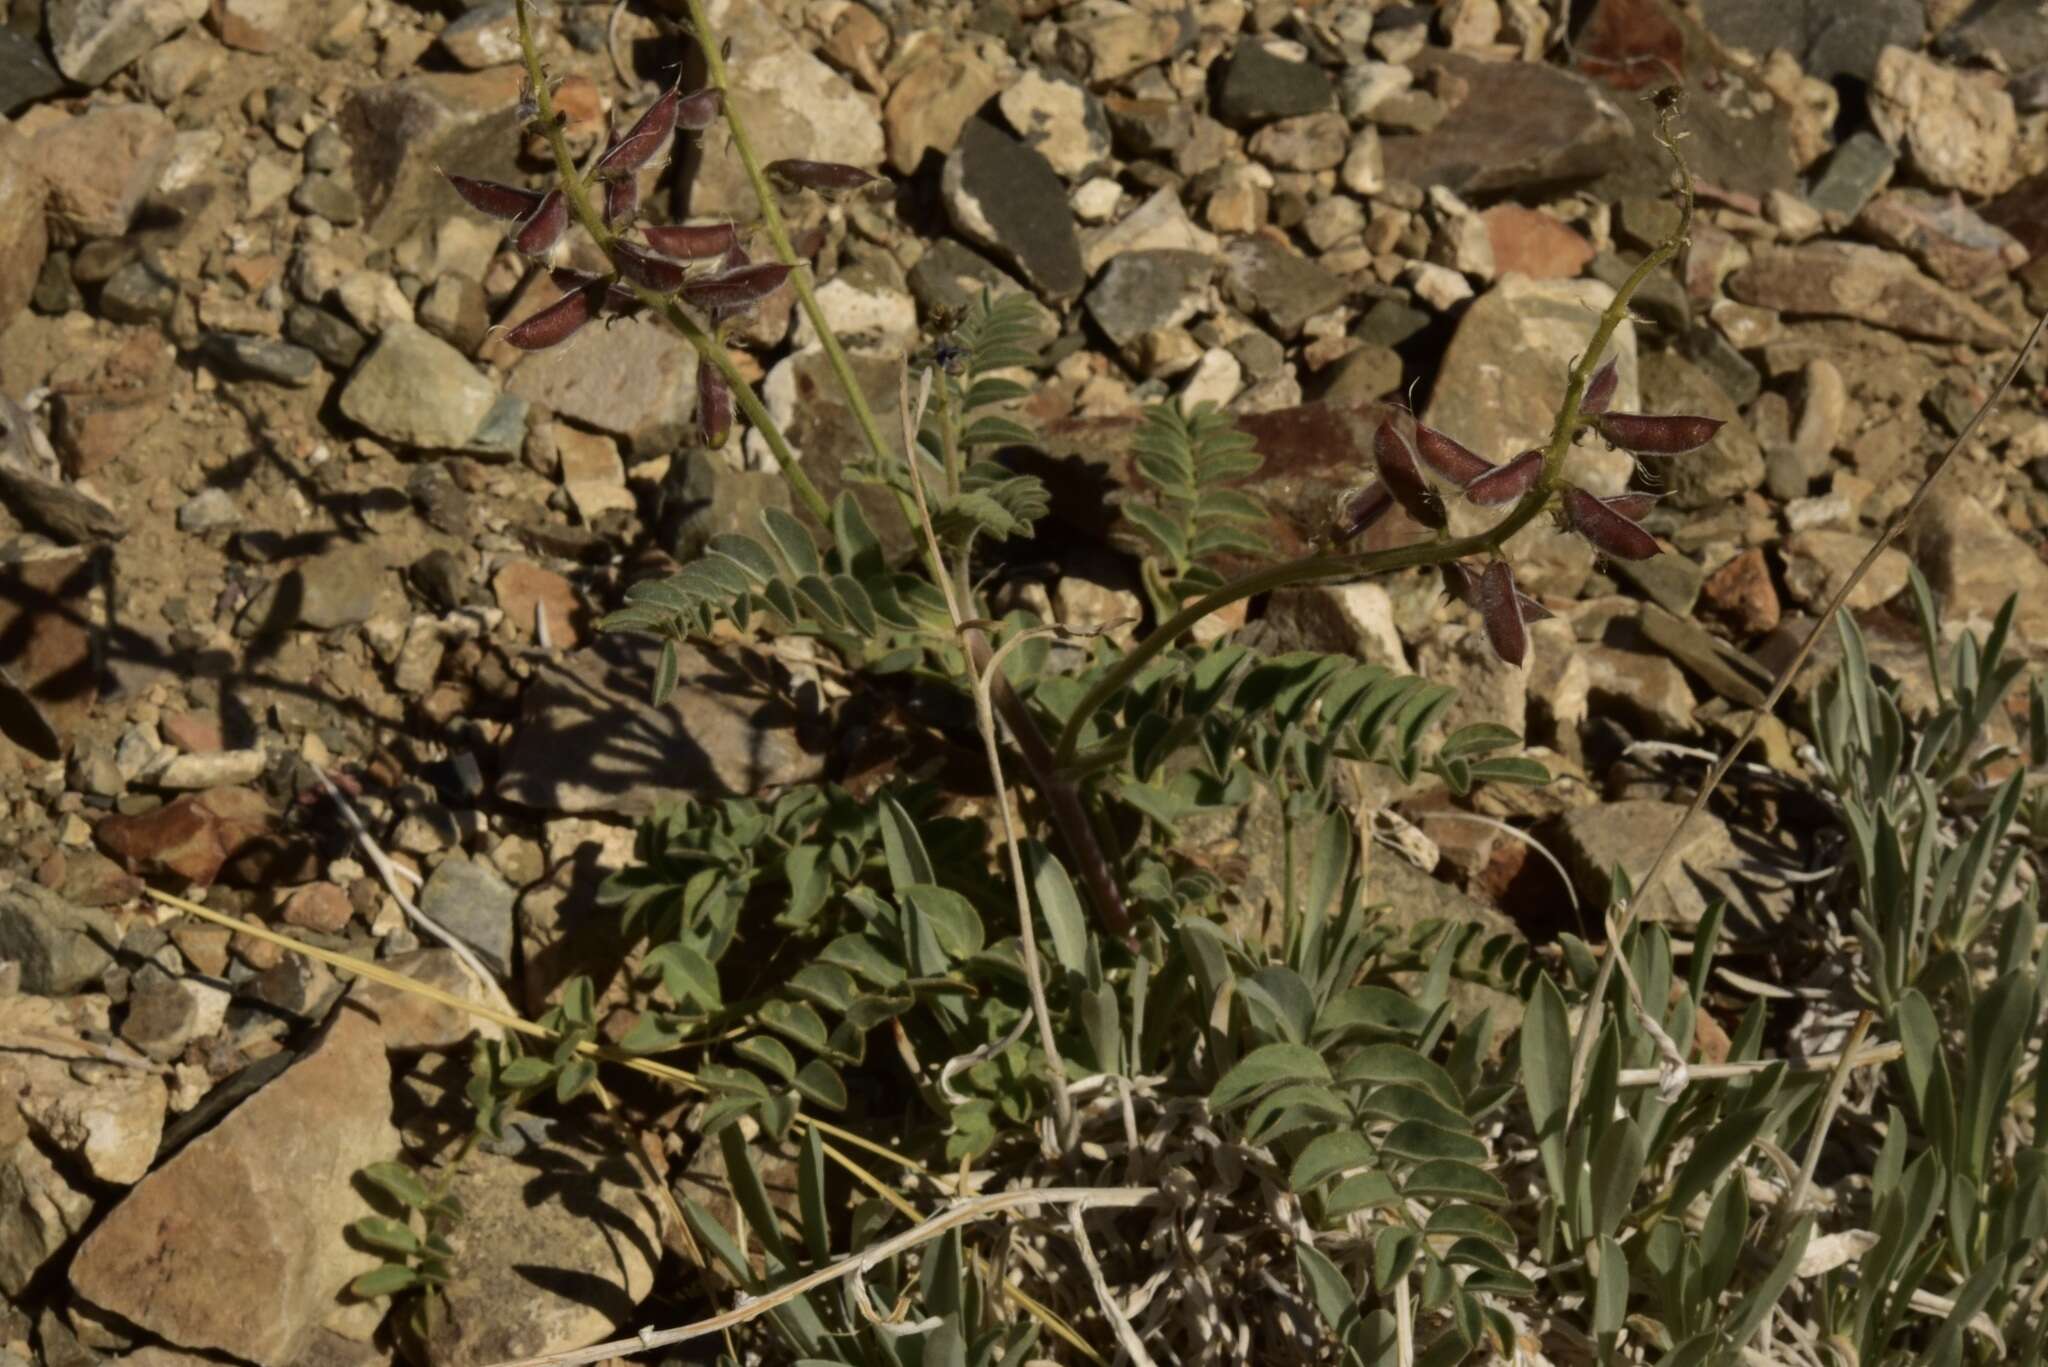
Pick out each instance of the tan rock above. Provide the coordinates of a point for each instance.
(1958, 129)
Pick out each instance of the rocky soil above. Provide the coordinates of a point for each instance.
(278, 503)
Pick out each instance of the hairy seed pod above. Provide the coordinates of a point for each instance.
(819, 175)
(489, 197)
(642, 140)
(714, 405)
(1506, 483)
(1500, 609)
(1610, 532)
(1359, 511)
(1461, 583)
(1633, 506)
(617, 298)
(1532, 611)
(1402, 474)
(558, 322)
(1661, 435)
(692, 242)
(1448, 458)
(1600, 389)
(734, 258)
(646, 269)
(736, 289)
(538, 235)
(621, 200)
(698, 110)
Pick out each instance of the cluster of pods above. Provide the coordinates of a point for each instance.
(1403, 448)
(662, 260)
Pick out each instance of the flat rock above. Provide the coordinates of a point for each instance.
(1819, 561)
(525, 590)
(1974, 561)
(400, 132)
(104, 1115)
(1594, 840)
(1958, 128)
(1510, 126)
(2010, 31)
(1646, 693)
(1004, 196)
(1062, 119)
(93, 39)
(100, 164)
(414, 1024)
(1531, 242)
(1146, 291)
(26, 73)
(190, 838)
(471, 902)
(414, 389)
(61, 948)
(1869, 284)
(590, 741)
(41, 1210)
(556, 1247)
(262, 1200)
(342, 588)
(634, 379)
(1256, 84)
(1829, 39)
(1950, 240)
(1278, 285)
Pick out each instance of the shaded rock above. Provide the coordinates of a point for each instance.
(165, 1014)
(339, 589)
(24, 233)
(139, 292)
(471, 902)
(1850, 280)
(1594, 840)
(93, 39)
(26, 74)
(1951, 241)
(416, 390)
(2009, 31)
(1819, 561)
(589, 741)
(1510, 126)
(633, 379)
(61, 948)
(1256, 84)
(46, 622)
(1146, 291)
(412, 1023)
(1730, 465)
(1648, 694)
(264, 1199)
(1828, 39)
(399, 134)
(189, 838)
(1974, 561)
(100, 164)
(1278, 285)
(40, 1210)
(1958, 129)
(556, 1247)
(793, 106)
(1004, 196)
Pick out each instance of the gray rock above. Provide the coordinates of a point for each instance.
(208, 510)
(951, 275)
(1869, 284)
(1974, 561)
(1280, 286)
(717, 735)
(329, 336)
(402, 131)
(488, 35)
(1709, 348)
(1830, 39)
(138, 293)
(93, 39)
(634, 380)
(1858, 169)
(1512, 125)
(326, 196)
(40, 1213)
(25, 72)
(61, 948)
(327, 150)
(339, 589)
(263, 358)
(2012, 31)
(1255, 85)
(1370, 371)
(454, 309)
(471, 902)
(502, 433)
(1005, 196)
(1594, 840)
(1141, 292)
(1725, 468)
(413, 389)
(165, 1013)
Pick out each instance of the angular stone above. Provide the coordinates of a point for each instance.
(401, 132)
(1860, 167)
(93, 39)
(100, 164)
(471, 902)
(1741, 594)
(716, 735)
(1111, 40)
(488, 35)
(1829, 39)
(1147, 291)
(1851, 280)
(1975, 561)
(524, 590)
(931, 103)
(1161, 223)
(60, 948)
(264, 1199)
(1002, 195)
(1819, 561)
(1312, 142)
(414, 389)
(26, 75)
(1531, 242)
(48, 628)
(1257, 84)
(40, 1212)
(1062, 120)
(412, 1023)
(1951, 241)
(1958, 129)
(2007, 31)
(1648, 694)
(1594, 840)
(1279, 285)
(166, 1014)
(634, 379)
(1511, 125)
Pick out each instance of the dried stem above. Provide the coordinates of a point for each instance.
(1589, 1027)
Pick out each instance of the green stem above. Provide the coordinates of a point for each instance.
(1325, 565)
(705, 345)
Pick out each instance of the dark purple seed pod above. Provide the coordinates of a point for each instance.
(642, 140)
(1449, 459)
(1394, 457)
(1500, 609)
(558, 322)
(489, 197)
(617, 299)
(692, 242)
(1660, 435)
(698, 110)
(1506, 483)
(714, 405)
(736, 289)
(1609, 531)
(1461, 583)
(538, 235)
(819, 175)
(734, 258)
(646, 269)
(1532, 611)
(1633, 506)
(621, 200)
(1359, 511)
(1600, 389)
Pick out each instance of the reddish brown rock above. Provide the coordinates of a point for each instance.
(196, 733)
(522, 588)
(318, 906)
(1742, 595)
(1531, 242)
(190, 838)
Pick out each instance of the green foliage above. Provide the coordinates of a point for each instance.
(1191, 461)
